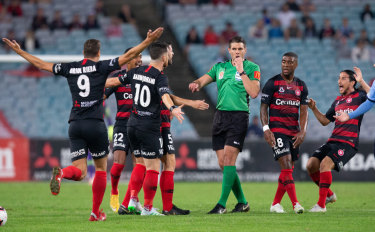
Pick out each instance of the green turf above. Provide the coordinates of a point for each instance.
(31, 207)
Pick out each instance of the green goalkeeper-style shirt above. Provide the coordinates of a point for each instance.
(232, 95)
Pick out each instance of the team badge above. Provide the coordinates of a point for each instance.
(349, 100)
(221, 75)
(281, 90)
(298, 92)
(340, 152)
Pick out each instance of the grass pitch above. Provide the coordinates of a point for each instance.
(31, 207)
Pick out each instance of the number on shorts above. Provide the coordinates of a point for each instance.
(170, 138)
(279, 142)
(119, 137)
(83, 83)
(143, 95)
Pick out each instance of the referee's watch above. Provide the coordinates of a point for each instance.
(243, 73)
(172, 108)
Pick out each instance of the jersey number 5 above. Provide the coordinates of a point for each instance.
(142, 94)
(83, 84)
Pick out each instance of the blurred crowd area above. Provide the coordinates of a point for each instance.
(38, 23)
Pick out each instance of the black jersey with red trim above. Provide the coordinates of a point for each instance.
(123, 96)
(346, 132)
(148, 85)
(165, 117)
(284, 100)
(86, 81)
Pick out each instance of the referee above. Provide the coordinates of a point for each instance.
(236, 79)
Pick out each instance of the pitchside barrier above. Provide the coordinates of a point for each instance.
(195, 161)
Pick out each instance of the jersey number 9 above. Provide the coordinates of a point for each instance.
(83, 84)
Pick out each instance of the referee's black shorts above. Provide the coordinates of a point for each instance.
(229, 128)
(88, 134)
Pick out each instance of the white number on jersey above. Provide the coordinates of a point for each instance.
(83, 83)
(143, 95)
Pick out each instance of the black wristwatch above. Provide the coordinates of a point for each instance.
(172, 108)
(243, 73)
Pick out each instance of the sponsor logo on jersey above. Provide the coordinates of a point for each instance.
(281, 90)
(128, 96)
(349, 100)
(257, 75)
(346, 111)
(340, 152)
(57, 68)
(221, 75)
(237, 77)
(298, 92)
(280, 102)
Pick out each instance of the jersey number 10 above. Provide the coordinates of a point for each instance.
(142, 94)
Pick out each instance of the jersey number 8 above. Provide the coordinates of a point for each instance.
(142, 94)
(83, 84)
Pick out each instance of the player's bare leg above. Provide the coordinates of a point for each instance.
(150, 186)
(313, 166)
(77, 171)
(167, 186)
(135, 185)
(119, 157)
(98, 189)
(231, 182)
(325, 182)
(286, 179)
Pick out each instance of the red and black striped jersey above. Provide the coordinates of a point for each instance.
(284, 100)
(346, 132)
(165, 115)
(124, 99)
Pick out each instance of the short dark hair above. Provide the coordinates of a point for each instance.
(351, 75)
(291, 54)
(128, 49)
(91, 48)
(157, 49)
(237, 39)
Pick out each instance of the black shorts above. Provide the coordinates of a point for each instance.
(340, 153)
(284, 146)
(88, 134)
(145, 143)
(229, 128)
(168, 146)
(120, 139)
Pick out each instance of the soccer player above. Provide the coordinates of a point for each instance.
(283, 113)
(149, 87)
(343, 143)
(131, 202)
(236, 79)
(87, 130)
(121, 145)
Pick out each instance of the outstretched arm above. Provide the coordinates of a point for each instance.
(175, 111)
(196, 104)
(151, 37)
(200, 83)
(321, 117)
(27, 56)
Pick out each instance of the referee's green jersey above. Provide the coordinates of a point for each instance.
(232, 95)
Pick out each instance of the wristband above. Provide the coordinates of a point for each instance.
(265, 127)
(172, 108)
(243, 73)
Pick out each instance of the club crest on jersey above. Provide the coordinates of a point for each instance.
(298, 92)
(349, 100)
(340, 152)
(221, 75)
(281, 90)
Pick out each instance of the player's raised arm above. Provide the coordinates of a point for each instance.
(359, 78)
(151, 37)
(175, 110)
(196, 104)
(200, 83)
(27, 56)
(321, 117)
